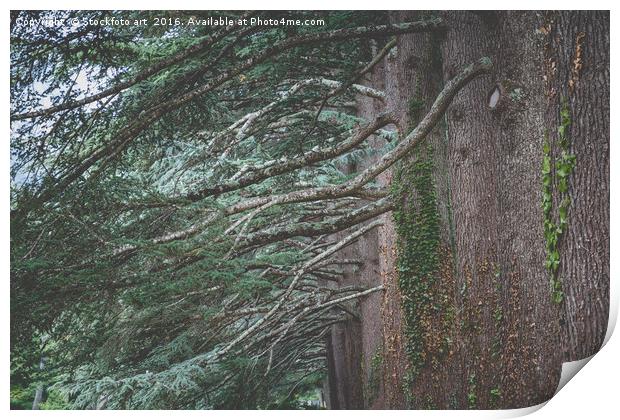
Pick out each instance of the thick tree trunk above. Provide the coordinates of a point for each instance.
(495, 144)
(343, 368)
(353, 344)
(578, 73)
(480, 326)
(413, 80)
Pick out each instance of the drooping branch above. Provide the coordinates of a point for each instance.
(172, 236)
(116, 146)
(414, 138)
(351, 187)
(142, 76)
(239, 130)
(325, 227)
(300, 272)
(284, 165)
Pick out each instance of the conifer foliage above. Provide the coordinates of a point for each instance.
(180, 195)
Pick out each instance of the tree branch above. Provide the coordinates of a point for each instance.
(415, 137)
(129, 133)
(300, 272)
(143, 75)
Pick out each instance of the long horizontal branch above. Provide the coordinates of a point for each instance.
(196, 228)
(258, 174)
(408, 143)
(414, 138)
(319, 228)
(350, 188)
(171, 236)
(128, 134)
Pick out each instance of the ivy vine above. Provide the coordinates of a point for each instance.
(417, 226)
(560, 168)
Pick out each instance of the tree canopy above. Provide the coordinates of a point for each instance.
(180, 195)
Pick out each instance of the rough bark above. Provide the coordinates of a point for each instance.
(413, 80)
(578, 71)
(495, 156)
(490, 334)
(354, 378)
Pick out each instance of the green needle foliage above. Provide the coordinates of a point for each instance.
(131, 271)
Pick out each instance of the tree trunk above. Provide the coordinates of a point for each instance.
(38, 394)
(469, 318)
(578, 73)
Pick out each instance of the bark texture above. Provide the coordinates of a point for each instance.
(578, 71)
(359, 339)
(510, 340)
(488, 333)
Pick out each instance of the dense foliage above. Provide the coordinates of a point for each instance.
(179, 196)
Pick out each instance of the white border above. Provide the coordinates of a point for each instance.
(592, 395)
